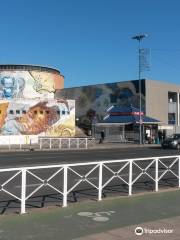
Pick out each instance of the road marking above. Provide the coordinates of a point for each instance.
(97, 216)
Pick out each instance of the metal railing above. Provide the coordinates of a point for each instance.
(45, 143)
(97, 175)
(65, 143)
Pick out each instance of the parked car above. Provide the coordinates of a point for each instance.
(172, 141)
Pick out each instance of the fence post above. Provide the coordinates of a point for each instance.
(23, 191)
(59, 143)
(179, 170)
(100, 182)
(130, 177)
(86, 143)
(77, 143)
(65, 186)
(50, 144)
(40, 143)
(69, 144)
(156, 174)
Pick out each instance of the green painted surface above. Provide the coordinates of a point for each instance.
(66, 224)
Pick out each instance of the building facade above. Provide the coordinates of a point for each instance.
(160, 100)
(28, 105)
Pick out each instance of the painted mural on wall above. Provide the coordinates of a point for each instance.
(93, 101)
(37, 117)
(28, 84)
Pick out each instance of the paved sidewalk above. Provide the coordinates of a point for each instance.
(123, 145)
(110, 219)
(105, 145)
(168, 228)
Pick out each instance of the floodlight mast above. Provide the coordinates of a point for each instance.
(139, 38)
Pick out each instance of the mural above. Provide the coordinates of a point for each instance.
(93, 101)
(29, 84)
(37, 117)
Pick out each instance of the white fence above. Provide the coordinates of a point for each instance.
(46, 143)
(97, 175)
(65, 143)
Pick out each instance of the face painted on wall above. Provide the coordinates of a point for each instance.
(11, 87)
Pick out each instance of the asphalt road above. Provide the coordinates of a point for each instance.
(18, 159)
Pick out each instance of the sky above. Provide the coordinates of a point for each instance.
(90, 41)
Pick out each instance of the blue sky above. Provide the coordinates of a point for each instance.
(89, 41)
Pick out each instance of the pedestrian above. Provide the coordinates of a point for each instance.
(160, 136)
(102, 137)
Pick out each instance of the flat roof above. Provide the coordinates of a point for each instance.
(124, 82)
(28, 67)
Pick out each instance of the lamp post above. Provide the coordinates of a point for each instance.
(139, 38)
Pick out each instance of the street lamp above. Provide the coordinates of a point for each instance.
(139, 38)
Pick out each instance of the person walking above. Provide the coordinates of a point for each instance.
(102, 137)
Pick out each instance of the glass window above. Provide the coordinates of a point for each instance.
(11, 112)
(23, 111)
(17, 111)
(171, 118)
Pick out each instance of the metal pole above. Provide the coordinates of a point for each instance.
(23, 191)
(130, 178)
(100, 182)
(178, 109)
(156, 174)
(139, 39)
(140, 107)
(65, 191)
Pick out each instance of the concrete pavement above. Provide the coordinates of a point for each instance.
(112, 219)
(168, 228)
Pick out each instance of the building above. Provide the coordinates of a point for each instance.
(160, 100)
(28, 106)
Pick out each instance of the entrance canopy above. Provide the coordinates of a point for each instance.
(127, 115)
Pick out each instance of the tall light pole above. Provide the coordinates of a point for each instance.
(139, 38)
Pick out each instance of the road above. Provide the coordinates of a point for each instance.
(83, 190)
(19, 159)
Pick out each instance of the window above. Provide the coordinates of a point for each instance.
(58, 112)
(172, 97)
(63, 112)
(171, 118)
(35, 112)
(11, 112)
(41, 112)
(17, 111)
(23, 111)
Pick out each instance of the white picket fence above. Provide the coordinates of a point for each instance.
(155, 168)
